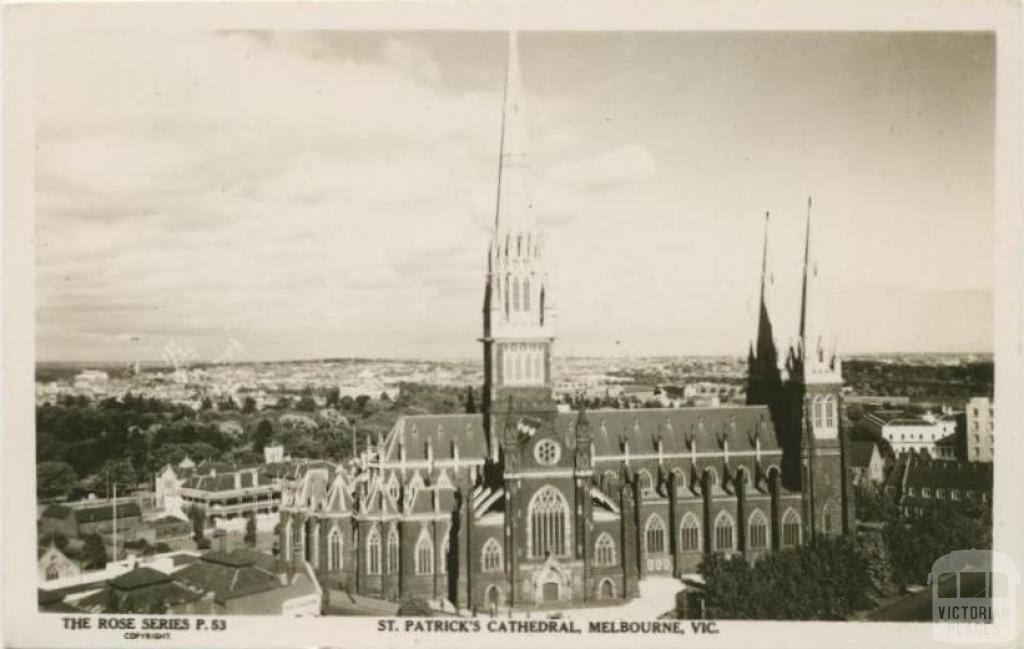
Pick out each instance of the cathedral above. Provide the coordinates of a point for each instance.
(523, 506)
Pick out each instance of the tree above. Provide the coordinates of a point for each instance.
(54, 479)
(827, 579)
(94, 553)
(197, 515)
(115, 472)
(264, 433)
(249, 405)
(250, 530)
(306, 404)
(470, 405)
(333, 397)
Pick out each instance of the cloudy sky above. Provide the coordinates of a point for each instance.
(308, 194)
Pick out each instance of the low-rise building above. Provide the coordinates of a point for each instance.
(229, 492)
(918, 482)
(244, 582)
(241, 582)
(905, 432)
(980, 430)
(75, 520)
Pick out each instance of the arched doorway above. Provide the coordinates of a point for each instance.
(493, 599)
(607, 590)
(550, 591)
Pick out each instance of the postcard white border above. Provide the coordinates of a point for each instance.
(25, 23)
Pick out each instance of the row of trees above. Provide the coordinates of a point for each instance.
(831, 578)
(827, 579)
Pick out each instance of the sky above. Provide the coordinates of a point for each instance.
(290, 195)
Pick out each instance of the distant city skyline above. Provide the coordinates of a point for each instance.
(310, 195)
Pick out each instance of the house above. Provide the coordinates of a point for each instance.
(54, 564)
(142, 590)
(866, 464)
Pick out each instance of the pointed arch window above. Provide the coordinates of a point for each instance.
(680, 481)
(826, 515)
(334, 550)
(724, 533)
(654, 535)
(604, 551)
(817, 419)
(52, 572)
(791, 529)
(548, 515)
(757, 531)
(424, 554)
(526, 295)
(373, 552)
(392, 567)
(490, 558)
(830, 412)
(393, 489)
(689, 533)
(645, 484)
(515, 294)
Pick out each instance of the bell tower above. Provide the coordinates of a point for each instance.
(815, 442)
(518, 334)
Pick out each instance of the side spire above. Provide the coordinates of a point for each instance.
(764, 378)
(810, 360)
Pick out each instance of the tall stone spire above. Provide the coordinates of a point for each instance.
(813, 360)
(515, 261)
(518, 333)
(514, 212)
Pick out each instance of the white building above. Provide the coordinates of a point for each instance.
(980, 430)
(906, 432)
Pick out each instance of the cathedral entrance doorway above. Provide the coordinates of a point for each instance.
(551, 591)
(493, 597)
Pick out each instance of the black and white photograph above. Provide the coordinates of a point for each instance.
(513, 334)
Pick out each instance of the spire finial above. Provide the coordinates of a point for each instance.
(807, 267)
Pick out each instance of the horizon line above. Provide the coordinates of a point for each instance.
(467, 359)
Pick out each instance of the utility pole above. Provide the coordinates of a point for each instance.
(115, 520)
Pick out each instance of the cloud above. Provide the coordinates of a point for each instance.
(627, 165)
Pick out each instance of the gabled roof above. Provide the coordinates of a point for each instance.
(707, 428)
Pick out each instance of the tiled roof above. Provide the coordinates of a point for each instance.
(139, 578)
(640, 427)
(234, 574)
(950, 474)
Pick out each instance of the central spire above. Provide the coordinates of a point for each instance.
(514, 213)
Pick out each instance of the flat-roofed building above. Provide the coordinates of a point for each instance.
(980, 430)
